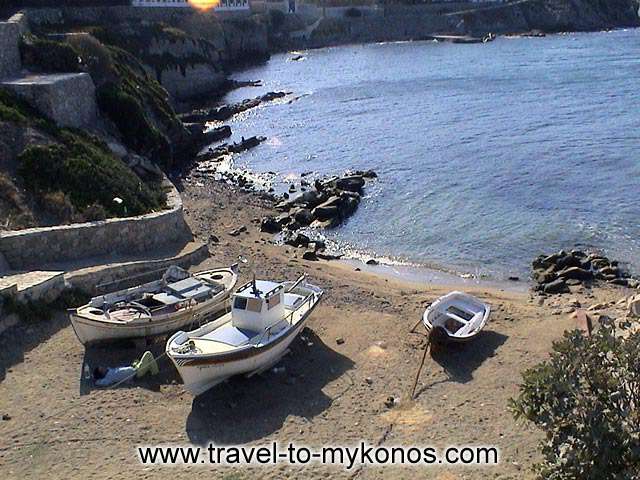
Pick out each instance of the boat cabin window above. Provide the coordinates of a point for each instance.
(254, 305)
(240, 303)
(273, 301)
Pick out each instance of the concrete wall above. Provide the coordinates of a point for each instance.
(68, 99)
(37, 247)
(9, 52)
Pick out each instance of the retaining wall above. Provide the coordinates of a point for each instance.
(10, 64)
(69, 99)
(37, 247)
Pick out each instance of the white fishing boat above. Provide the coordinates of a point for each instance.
(177, 300)
(458, 315)
(265, 318)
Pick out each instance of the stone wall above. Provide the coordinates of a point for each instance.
(9, 52)
(68, 99)
(38, 247)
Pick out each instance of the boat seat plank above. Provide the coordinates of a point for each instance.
(229, 335)
(292, 300)
(167, 298)
(185, 285)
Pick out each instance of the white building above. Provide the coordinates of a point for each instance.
(223, 5)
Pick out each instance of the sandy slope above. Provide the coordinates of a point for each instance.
(328, 393)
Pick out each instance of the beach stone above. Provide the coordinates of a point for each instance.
(634, 306)
(366, 173)
(372, 261)
(311, 198)
(353, 183)
(6, 417)
(633, 283)
(568, 261)
(299, 240)
(609, 270)
(576, 273)
(339, 340)
(544, 275)
(349, 205)
(270, 225)
(303, 216)
(326, 212)
(310, 255)
(557, 286)
(238, 231)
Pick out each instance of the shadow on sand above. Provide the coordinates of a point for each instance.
(243, 409)
(460, 360)
(120, 354)
(20, 339)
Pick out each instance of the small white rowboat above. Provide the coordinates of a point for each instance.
(265, 318)
(459, 315)
(177, 300)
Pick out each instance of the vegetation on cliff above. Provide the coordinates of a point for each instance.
(140, 38)
(136, 103)
(48, 56)
(73, 176)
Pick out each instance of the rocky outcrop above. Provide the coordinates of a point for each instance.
(225, 112)
(550, 16)
(327, 205)
(555, 273)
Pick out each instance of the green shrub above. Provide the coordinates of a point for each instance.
(127, 113)
(86, 171)
(48, 56)
(586, 398)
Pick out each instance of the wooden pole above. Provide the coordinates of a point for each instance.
(424, 357)
(415, 326)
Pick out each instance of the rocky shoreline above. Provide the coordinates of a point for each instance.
(555, 273)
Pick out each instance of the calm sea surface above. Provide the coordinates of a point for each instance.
(487, 154)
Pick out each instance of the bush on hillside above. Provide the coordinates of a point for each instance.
(83, 168)
(77, 167)
(586, 398)
(48, 56)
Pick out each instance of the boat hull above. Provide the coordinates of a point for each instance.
(91, 331)
(201, 373)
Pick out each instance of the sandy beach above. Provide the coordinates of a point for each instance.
(328, 393)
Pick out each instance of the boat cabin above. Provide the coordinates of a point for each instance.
(258, 305)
